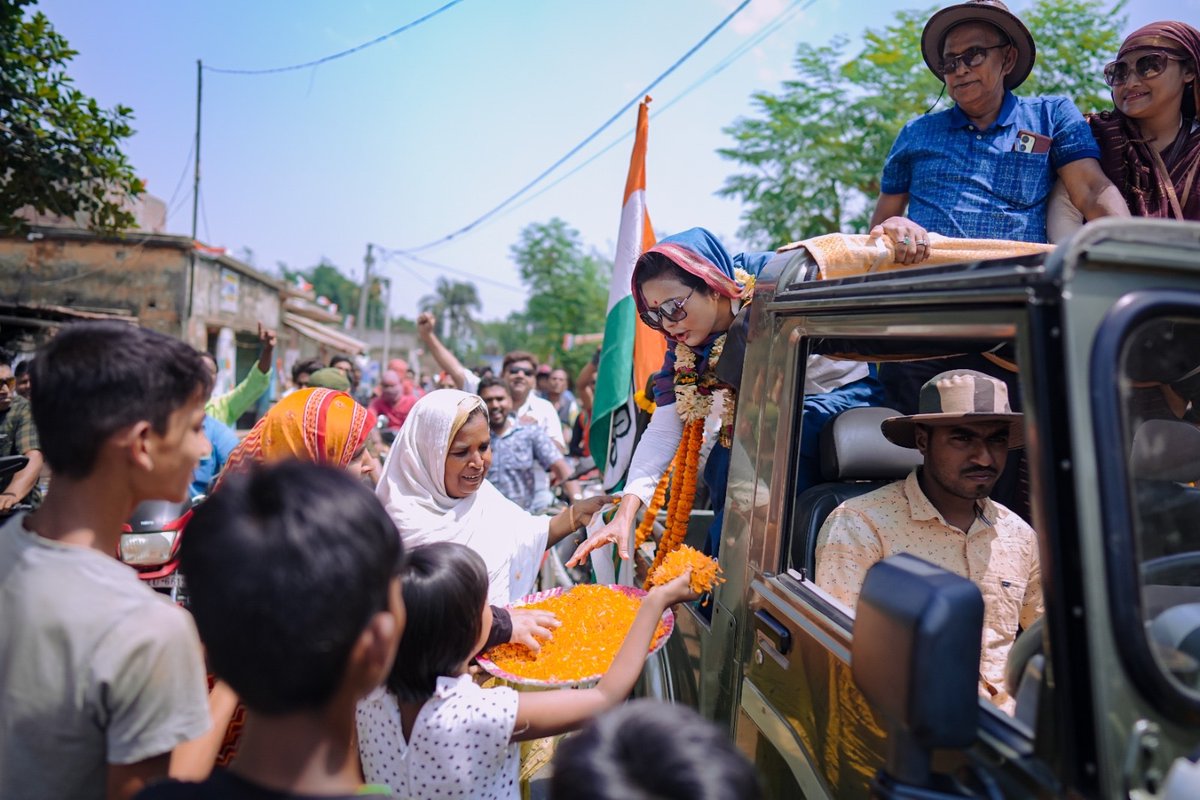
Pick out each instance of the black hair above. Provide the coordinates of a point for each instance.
(340, 357)
(21, 368)
(445, 588)
(207, 356)
(491, 382)
(95, 378)
(647, 750)
(286, 564)
(309, 365)
(657, 265)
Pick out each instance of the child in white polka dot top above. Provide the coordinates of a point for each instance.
(431, 732)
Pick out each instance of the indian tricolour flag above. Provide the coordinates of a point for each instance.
(631, 351)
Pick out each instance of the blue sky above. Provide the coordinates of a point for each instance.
(409, 140)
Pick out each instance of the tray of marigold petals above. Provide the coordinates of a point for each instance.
(595, 620)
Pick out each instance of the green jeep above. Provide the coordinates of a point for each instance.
(1103, 341)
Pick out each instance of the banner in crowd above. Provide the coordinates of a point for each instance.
(631, 351)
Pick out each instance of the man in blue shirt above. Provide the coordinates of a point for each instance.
(984, 168)
(519, 452)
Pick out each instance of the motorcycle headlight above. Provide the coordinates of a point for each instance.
(147, 549)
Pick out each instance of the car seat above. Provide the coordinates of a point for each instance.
(855, 459)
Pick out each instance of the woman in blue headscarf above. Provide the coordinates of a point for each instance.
(691, 289)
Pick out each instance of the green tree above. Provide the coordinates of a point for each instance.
(812, 154)
(453, 302)
(568, 289)
(331, 283)
(61, 149)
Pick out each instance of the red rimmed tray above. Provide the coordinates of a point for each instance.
(489, 666)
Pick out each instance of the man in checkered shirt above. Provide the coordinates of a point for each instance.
(984, 168)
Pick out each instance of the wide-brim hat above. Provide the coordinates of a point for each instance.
(957, 397)
(992, 12)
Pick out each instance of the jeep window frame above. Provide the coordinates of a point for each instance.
(1126, 606)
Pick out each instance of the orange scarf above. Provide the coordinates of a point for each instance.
(320, 425)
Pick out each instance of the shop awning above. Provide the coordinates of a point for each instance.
(339, 340)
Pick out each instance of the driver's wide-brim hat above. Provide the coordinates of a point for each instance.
(992, 12)
(957, 397)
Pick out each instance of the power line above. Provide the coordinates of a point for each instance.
(387, 254)
(187, 162)
(587, 140)
(343, 53)
(768, 30)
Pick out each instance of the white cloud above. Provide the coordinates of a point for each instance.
(754, 16)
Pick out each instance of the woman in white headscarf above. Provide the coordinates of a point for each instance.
(435, 488)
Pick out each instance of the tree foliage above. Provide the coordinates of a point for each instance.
(812, 154)
(568, 289)
(454, 304)
(61, 150)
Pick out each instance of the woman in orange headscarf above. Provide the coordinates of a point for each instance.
(320, 425)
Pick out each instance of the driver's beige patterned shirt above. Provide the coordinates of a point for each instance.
(999, 553)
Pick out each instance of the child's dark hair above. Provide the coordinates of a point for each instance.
(647, 750)
(95, 378)
(286, 565)
(657, 265)
(490, 383)
(445, 588)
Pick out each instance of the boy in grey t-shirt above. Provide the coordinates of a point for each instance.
(103, 678)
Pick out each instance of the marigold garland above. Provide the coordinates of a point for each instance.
(682, 496)
(656, 503)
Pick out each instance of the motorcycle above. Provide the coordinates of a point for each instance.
(9, 466)
(150, 543)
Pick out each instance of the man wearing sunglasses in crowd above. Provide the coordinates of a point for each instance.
(18, 437)
(519, 371)
(984, 168)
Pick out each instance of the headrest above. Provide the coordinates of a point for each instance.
(1166, 450)
(853, 448)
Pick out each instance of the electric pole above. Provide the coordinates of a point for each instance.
(368, 262)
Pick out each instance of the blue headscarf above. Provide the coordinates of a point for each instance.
(697, 252)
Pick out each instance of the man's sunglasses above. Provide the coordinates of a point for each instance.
(670, 310)
(1148, 66)
(971, 57)
(526, 371)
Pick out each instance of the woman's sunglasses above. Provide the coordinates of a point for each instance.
(1148, 66)
(670, 310)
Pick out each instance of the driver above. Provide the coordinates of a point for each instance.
(941, 512)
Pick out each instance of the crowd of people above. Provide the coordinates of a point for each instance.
(340, 601)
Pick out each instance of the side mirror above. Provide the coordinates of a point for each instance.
(915, 656)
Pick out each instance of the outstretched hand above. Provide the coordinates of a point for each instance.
(531, 626)
(615, 532)
(677, 590)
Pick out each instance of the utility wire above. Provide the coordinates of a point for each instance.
(187, 162)
(343, 53)
(587, 140)
(387, 254)
(768, 30)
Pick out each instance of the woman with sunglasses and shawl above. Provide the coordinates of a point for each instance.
(1150, 141)
(690, 288)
